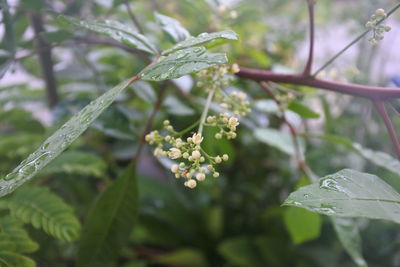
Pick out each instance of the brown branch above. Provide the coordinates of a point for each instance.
(370, 92)
(307, 69)
(46, 62)
(380, 107)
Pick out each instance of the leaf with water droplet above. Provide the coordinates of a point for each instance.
(349, 193)
(204, 39)
(113, 30)
(182, 62)
(60, 140)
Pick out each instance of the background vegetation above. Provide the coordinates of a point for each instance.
(235, 220)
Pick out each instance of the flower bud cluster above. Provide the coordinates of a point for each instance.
(226, 124)
(375, 25)
(236, 102)
(194, 164)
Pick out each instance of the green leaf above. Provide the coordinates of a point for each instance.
(110, 222)
(240, 251)
(145, 91)
(278, 139)
(14, 238)
(302, 225)
(182, 62)
(182, 257)
(59, 141)
(349, 193)
(172, 27)
(114, 30)
(11, 259)
(77, 162)
(302, 110)
(43, 209)
(202, 39)
(347, 231)
(56, 36)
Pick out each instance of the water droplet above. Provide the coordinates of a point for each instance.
(204, 34)
(12, 176)
(28, 169)
(306, 195)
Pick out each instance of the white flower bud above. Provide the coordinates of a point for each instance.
(174, 153)
(196, 154)
(218, 136)
(216, 174)
(191, 184)
(380, 12)
(225, 157)
(181, 165)
(200, 177)
(166, 122)
(185, 155)
(158, 152)
(218, 159)
(174, 168)
(235, 68)
(233, 122)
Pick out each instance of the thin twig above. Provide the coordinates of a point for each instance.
(380, 107)
(149, 124)
(45, 60)
(358, 38)
(307, 69)
(133, 17)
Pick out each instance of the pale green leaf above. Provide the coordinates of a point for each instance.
(347, 231)
(172, 27)
(59, 141)
(278, 139)
(114, 30)
(182, 62)
(349, 193)
(202, 39)
(379, 158)
(182, 257)
(302, 225)
(11, 259)
(110, 222)
(303, 110)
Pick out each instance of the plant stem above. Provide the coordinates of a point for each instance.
(205, 111)
(380, 107)
(188, 128)
(310, 5)
(133, 17)
(358, 38)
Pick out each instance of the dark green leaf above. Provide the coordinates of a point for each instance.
(349, 193)
(59, 141)
(202, 39)
(182, 62)
(110, 222)
(172, 27)
(14, 238)
(116, 31)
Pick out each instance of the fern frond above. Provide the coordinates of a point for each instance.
(13, 241)
(43, 209)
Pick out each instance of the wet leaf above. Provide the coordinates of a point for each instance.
(114, 30)
(59, 141)
(349, 193)
(302, 110)
(182, 62)
(302, 225)
(202, 39)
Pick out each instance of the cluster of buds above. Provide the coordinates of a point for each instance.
(225, 123)
(194, 163)
(377, 27)
(191, 162)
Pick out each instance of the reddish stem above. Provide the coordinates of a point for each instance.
(380, 107)
(370, 92)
